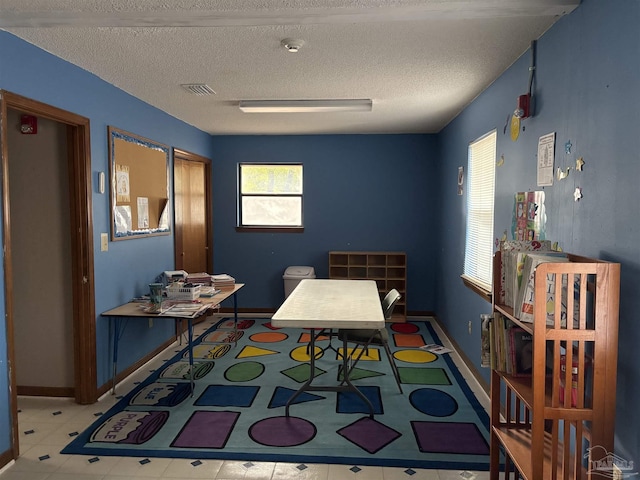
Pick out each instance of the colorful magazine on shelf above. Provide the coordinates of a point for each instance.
(508, 249)
(525, 301)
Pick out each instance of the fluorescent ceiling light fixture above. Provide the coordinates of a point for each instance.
(305, 106)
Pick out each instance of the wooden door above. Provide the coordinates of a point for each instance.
(193, 224)
(82, 278)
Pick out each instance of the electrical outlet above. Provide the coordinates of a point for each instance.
(104, 242)
(470, 323)
(150, 322)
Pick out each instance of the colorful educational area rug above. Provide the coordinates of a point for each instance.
(237, 410)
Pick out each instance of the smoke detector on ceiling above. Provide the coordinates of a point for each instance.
(292, 45)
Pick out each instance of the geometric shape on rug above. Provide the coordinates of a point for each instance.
(161, 394)
(406, 327)
(242, 324)
(433, 402)
(222, 433)
(245, 324)
(208, 351)
(270, 327)
(306, 337)
(449, 438)
(282, 431)
(180, 370)
(206, 430)
(222, 336)
(300, 373)
(126, 427)
(359, 374)
(244, 371)
(415, 356)
(301, 354)
(251, 351)
(351, 402)
(269, 337)
(281, 396)
(227, 396)
(408, 340)
(369, 434)
(371, 354)
(423, 376)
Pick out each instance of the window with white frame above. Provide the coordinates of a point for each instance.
(478, 254)
(270, 195)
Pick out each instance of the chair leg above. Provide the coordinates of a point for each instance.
(393, 365)
(364, 349)
(353, 365)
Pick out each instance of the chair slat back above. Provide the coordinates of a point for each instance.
(389, 302)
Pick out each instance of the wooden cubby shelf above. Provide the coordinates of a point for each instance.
(388, 269)
(558, 422)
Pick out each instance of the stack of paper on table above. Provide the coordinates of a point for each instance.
(208, 291)
(223, 281)
(185, 310)
(201, 278)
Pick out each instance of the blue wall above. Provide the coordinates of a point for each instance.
(395, 192)
(588, 76)
(361, 192)
(127, 268)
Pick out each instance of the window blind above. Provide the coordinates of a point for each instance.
(478, 258)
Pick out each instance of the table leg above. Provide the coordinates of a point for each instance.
(312, 356)
(235, 319)
(339, 388)
(116, 333)
(347, 380)
(190, 339)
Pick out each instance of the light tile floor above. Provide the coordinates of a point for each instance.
(48, 424)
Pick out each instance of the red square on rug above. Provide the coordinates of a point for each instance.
(408, 340)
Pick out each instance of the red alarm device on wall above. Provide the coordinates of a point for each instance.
(28, 124)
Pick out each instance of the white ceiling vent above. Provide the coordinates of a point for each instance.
(198, 89)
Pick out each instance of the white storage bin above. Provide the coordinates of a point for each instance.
(293, 275)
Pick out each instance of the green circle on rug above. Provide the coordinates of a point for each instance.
(415, 356)
(244, 371)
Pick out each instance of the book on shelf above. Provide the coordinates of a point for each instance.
(499, 343)
(510, 249)
(512, 348)
(523, 309)
(485, 339)
(574, 377)
(521, 351)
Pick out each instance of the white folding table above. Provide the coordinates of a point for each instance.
(321, 303)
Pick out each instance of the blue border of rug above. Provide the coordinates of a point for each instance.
(226, 399)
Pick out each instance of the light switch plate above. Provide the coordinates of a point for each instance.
(104, 242)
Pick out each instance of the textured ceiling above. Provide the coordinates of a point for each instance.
(420, 61)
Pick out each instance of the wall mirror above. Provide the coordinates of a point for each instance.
(139, 186)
